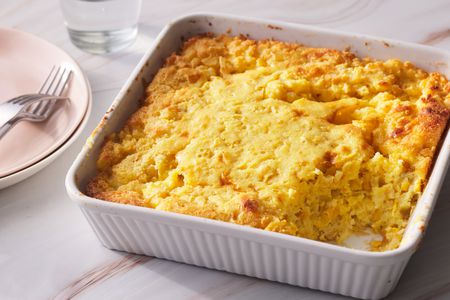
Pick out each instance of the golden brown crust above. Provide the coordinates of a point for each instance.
(305, 141)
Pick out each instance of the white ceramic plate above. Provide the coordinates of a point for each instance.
(25, 61)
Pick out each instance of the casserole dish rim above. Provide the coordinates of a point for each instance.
(418, 219)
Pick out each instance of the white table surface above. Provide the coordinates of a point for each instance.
(47, 249)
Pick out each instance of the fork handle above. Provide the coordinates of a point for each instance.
(11, 123)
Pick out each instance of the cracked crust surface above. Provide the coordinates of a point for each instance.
(304, 141)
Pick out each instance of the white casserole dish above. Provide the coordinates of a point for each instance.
(235, 248)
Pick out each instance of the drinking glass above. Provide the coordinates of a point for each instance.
(101, 26)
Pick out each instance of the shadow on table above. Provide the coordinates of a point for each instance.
(208, 284)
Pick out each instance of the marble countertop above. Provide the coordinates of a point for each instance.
(47, 249)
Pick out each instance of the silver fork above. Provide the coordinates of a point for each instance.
(54, 85)
(35, 107)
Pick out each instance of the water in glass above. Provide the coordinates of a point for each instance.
(101, 26)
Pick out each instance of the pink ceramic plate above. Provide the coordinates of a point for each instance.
(25, 62)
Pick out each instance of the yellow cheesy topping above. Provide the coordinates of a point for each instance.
(304, 141)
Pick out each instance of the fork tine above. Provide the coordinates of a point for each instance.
(34, 108)
(36, 98)
(45, 107)
(64, 82)
(25, 99)
(41, 90)
(22, 99)
(58, 90)
(60, 77)
(50, 88)
(52, 82)
(57, 87)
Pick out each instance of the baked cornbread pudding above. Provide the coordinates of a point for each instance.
(310, 142)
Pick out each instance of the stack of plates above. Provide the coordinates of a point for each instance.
(25, 62)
